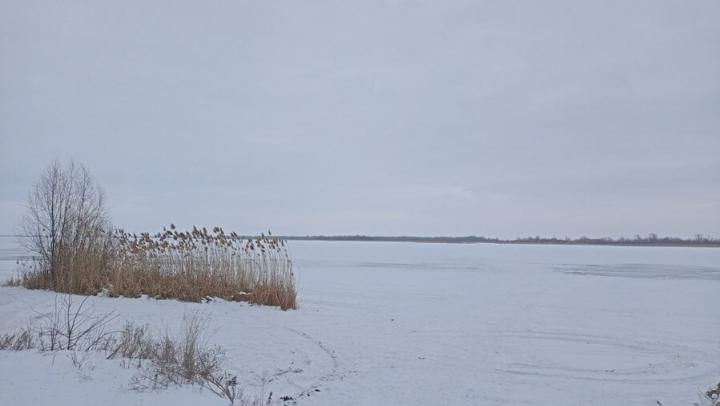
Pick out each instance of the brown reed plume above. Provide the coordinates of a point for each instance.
(186, 265)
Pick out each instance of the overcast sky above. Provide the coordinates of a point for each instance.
(497, 118)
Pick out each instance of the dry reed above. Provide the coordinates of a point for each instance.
(185, 265)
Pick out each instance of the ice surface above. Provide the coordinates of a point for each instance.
(431, 324)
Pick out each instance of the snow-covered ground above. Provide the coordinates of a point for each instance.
(429, 324)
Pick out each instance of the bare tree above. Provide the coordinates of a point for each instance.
(66, 216)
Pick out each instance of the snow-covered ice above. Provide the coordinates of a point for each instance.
(429, 324)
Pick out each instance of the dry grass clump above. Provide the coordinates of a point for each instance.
(72, 269)
(133, 342)
(12, 282)
(20, 341)
(185, 359)
(186, 265)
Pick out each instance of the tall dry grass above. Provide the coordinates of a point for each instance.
(185, 265)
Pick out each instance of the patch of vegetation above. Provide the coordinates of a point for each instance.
(78, 252)
(164, 361)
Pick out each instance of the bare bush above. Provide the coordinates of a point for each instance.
(70, 327)
(67, 227)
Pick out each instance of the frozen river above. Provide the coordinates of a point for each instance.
(439, 324)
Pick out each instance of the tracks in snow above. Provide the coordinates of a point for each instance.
(332, 374)
(606, 358)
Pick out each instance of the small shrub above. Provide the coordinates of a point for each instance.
(67, 227)
(71, 327)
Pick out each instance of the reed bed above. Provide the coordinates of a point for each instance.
(187, 265)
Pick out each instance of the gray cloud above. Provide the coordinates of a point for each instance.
(458, 117)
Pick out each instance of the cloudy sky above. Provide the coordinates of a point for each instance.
(497, 118)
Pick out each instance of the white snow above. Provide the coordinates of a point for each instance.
(429, 324)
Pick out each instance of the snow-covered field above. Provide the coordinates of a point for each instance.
(429, 324)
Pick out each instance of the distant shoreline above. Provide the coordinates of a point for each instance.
(620, 242)
(660, 242)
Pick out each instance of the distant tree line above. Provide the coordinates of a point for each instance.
(650, 240)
